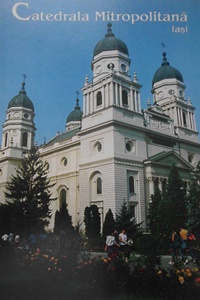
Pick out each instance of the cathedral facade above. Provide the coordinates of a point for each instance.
(112, 150)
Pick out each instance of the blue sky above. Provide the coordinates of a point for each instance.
(56, 55)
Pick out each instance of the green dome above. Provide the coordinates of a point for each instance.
(21, 100)
(76, 114)
(166, 71)
(110, 42)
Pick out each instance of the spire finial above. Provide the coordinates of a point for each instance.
(77, 101)
(23, 84)
(109, 30)
(24, 75)
(77, 93)
(165, 62)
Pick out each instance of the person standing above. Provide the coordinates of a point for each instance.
(5, 238)
(111, 244)
(183, 234)
(123, 241)
(176, 241)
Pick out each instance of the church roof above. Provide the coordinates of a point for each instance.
(62, 137)
(166, 72)
(110, 42)
(76, 114)
(21, 100)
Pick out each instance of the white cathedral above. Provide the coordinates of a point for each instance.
(112, 151)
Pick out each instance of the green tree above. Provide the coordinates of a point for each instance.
(57, 222)
(109, 223)
(125, 220)
(193, 202)
(5, 221)
(95, 222)
(63, 221)
(87, 221)
(154, 213)
(92, 222)
(28, 195)
(175, 201)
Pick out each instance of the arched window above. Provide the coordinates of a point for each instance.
(124, 97)
(6, 140)
(24, 139)
(99, 185)
(131, 185)
(63, 198)
(99, 98)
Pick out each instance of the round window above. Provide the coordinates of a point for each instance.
(130, 146)
(123, 67)
(98, 146)
(64, 161)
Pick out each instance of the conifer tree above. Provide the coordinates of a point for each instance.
(5, 222)
(95, 222)
(57, 222)
(63, 221)
(28, 195)
(125, 220)
(109, 223)
(87, 221)
(92, 222)
(175, 201)
(154, 213)
(193, 202)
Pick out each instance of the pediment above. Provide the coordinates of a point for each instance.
(168, 159)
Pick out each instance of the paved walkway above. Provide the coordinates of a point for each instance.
(165, 259)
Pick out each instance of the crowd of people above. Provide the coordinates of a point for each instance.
(31, 243)
(182, 244)
(10, 239)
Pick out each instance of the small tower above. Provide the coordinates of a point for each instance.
(18, 136)
(111, 83)
(19, 128)
(74, 119)
(168, 91)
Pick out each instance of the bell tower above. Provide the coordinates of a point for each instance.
(18, 136)
(18, 128)
(111, 84)
(168, 91)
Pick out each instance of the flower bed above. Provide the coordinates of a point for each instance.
(102, 277)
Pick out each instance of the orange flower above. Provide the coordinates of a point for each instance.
(181, 279)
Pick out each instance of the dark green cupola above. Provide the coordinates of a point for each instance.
(21, 100)
(110, 42)
(166, 72)
(76, 114)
